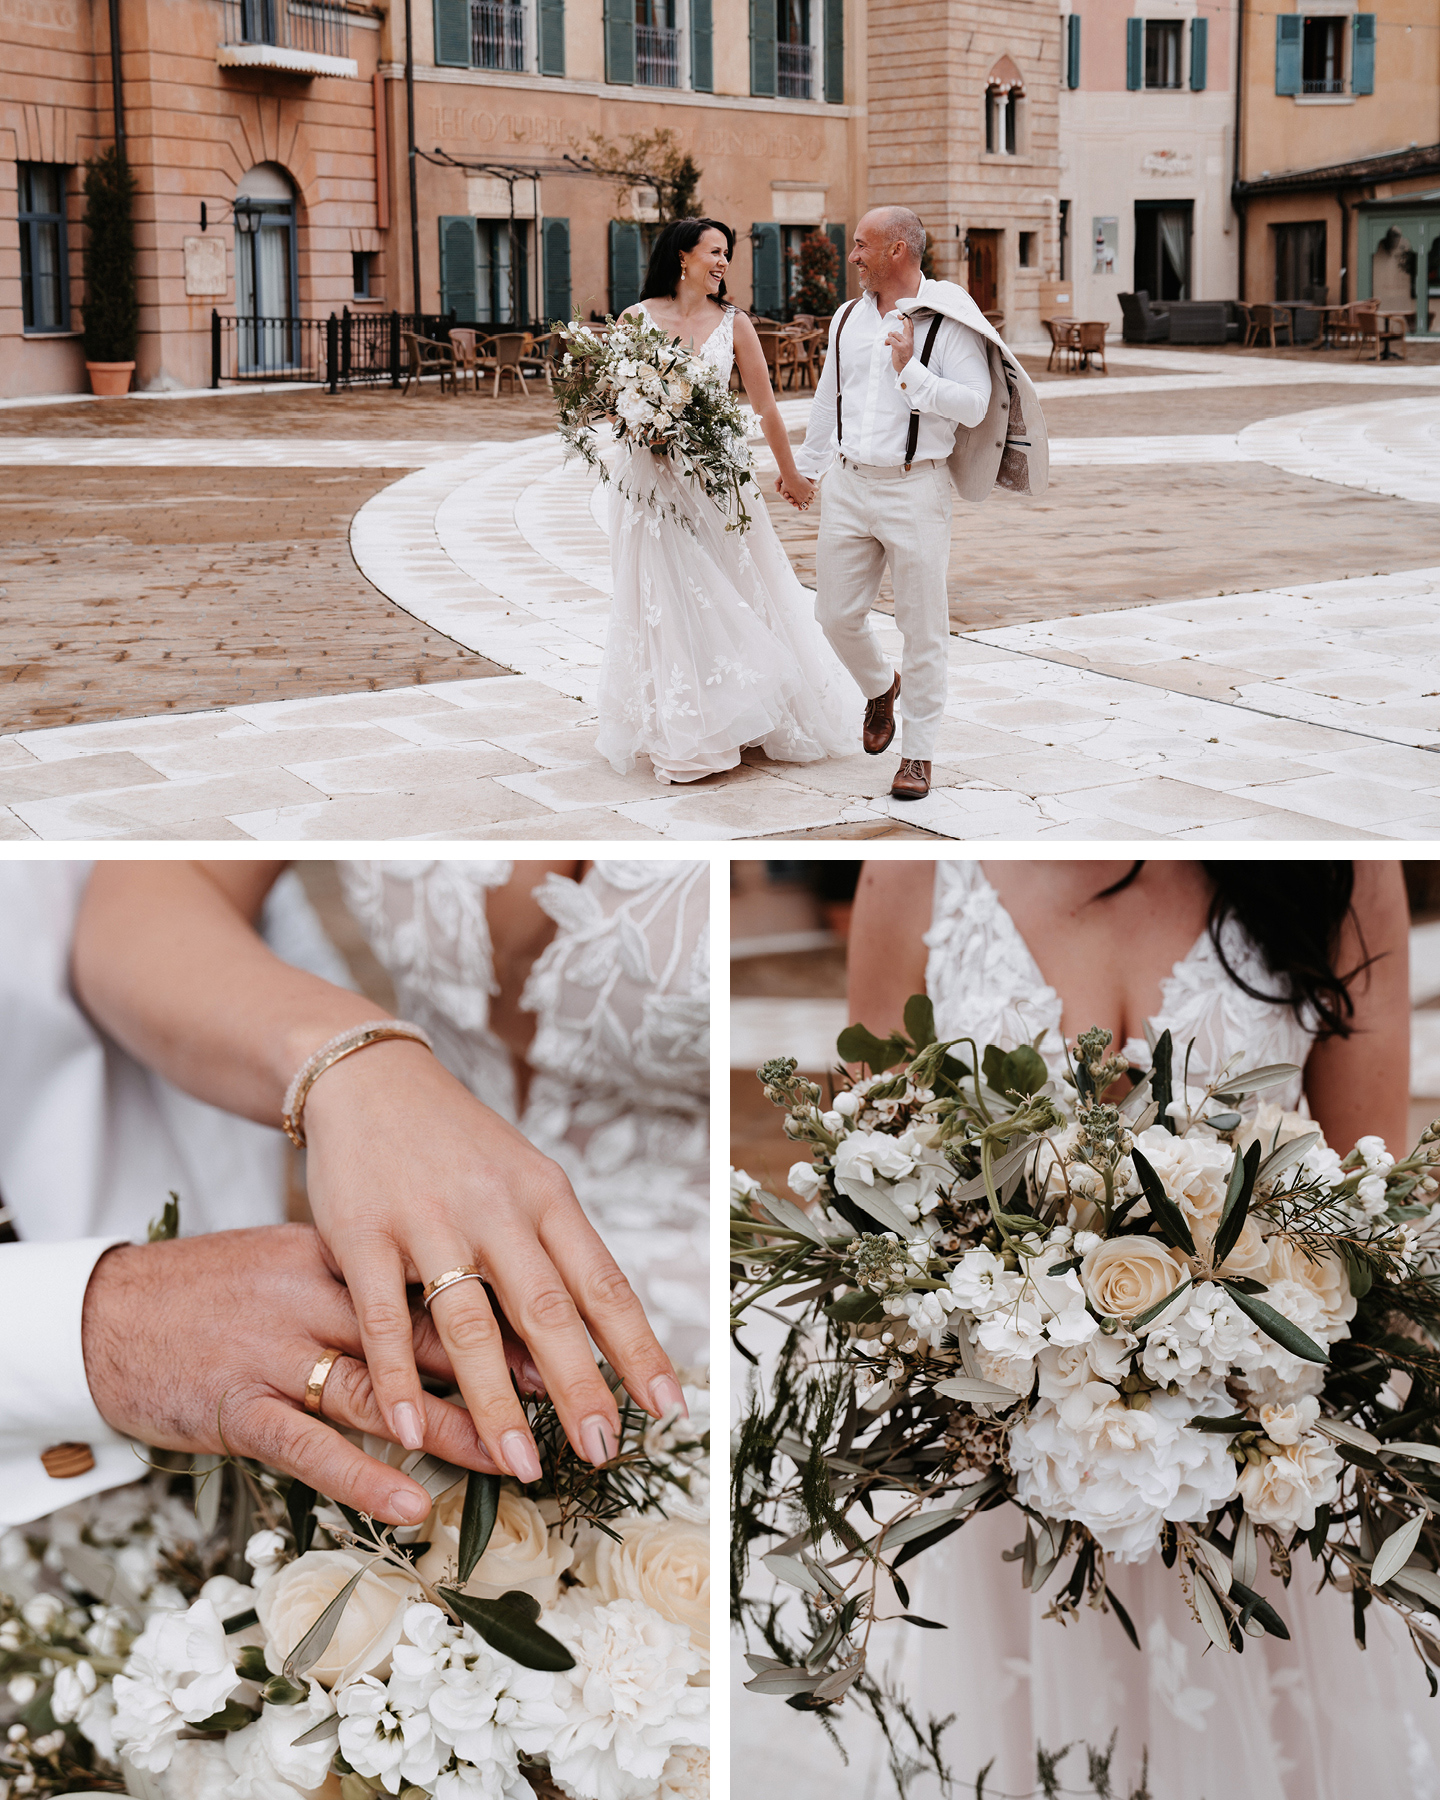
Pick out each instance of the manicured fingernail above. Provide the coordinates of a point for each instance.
(531, 1377)
(596, 1436)
(520, 1457)
(665, 1394)
(406, 1504)
(406, 1420)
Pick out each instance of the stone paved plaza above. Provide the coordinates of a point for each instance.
(281, 616)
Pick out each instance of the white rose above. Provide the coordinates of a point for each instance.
(663, 1563)
(1324, 1276)
(1194, 1171)
(521, 1553)
(1126, 1276)
(1286, 1488)
(1287, 1424)
(369, 1627)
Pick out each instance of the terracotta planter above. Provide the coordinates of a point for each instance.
(110, 380)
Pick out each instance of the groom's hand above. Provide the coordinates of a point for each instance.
(799, 492)
(901, 339)
(206, 1344)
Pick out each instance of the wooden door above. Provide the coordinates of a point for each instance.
(985, 270)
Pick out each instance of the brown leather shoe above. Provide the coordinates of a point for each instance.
(913, 780)
(879, 725)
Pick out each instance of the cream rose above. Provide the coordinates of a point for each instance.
(294, 1598)
(521, 1553)
(1323, 1275)
(1194, 1171)
(1126, 1276)
(1286, 1488)
(664, 1564)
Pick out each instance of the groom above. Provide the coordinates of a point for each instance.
(895, 391)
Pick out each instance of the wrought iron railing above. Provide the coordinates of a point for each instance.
(794, 71)
(1326, 84)
(497, 34)
(657, 56)
(308, 25)
(345, 350)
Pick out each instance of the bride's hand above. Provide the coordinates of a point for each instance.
(410, 1176)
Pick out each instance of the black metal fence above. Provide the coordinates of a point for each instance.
(345, 350)
(291, 24)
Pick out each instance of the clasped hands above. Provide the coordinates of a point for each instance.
(799, 492)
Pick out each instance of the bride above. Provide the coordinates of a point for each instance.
(712, 646)
(1292, 962)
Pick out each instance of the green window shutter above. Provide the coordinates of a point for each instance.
(458, 254)
(702, 47)
(556, 239)
(762, 47)
(767, 287)
(1287, 53)
(452, 35)
(627, 264)
(1199, 33)
(1134, 53)
(835, 52)
(840, 238)
(620, 42)
(550, 25)
(1072, 51)
(1362, 55)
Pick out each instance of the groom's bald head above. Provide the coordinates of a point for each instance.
(886, 226)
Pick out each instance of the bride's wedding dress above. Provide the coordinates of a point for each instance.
(619, 1067)
(712, 645)
(1314, 1719)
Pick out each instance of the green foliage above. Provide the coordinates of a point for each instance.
(509, 1626)
(111, 308)
(649, 159)
(167, 1226)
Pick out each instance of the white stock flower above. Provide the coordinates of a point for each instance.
(178, 1673)
(264, 1551)
(294, 1598)
(521, 1554)
(378, 1738)
(743, 1186)
(1286, 1488)
(42, 1613)
(664, 1564)
(980, 1282)
(1118, 1470)
(268, 1764)
(848, 1104)
(805, 1181)
(627, 1702)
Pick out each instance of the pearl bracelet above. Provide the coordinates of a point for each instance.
(346, 1043)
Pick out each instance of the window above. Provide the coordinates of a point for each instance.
(1064, 240)
(1322, 56)
(360, 261)
(1002, 120)
(793, 54)
(1164, 46)
(44, 256)
(497, 34)
(1300, 262)
(657, 44)
(1162, 248)
(491, 34)
(1027, 249)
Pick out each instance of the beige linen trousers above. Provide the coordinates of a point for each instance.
(871, 516)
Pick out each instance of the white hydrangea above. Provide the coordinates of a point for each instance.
(627, 1703)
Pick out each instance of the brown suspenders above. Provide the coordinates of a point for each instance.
(913, 436)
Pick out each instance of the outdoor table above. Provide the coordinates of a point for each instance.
(1330, 316)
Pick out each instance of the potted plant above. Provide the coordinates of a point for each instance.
(111, 310)
(818, 270)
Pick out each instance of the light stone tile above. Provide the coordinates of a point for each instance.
(155, 730)
(1342, 799)
(151, 811)
(457, 811)
(342, 709)
(14, 828)
(1107, 831)
(408, 770)
(1044, 772)
(568, 790)
(13, 755)
(1399, 763)
(238, 751)
(756, 809)
(1226, 772)
(570, 827)
(80, 774)
(1276, 827)
(1164, 803)
(1418, 826)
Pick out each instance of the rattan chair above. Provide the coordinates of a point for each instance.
(424, 356)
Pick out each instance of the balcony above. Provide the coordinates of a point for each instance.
(497, 34)
(793, 71)
(296, 37)
(657, 56)
(1328, 84)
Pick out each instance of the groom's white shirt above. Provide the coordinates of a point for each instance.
(91, 1143)
(953, 390)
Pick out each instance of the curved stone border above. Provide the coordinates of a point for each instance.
(1383, 446)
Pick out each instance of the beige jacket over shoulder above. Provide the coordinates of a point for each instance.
(1009, 448)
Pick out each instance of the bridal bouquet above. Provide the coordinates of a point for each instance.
(1179, 1325)
(227, 1632)
(659, 397)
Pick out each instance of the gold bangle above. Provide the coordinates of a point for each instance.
(449, 1279)
(359, 1037)
(319, 1375)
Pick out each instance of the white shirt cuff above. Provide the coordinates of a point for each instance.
(45, 1397)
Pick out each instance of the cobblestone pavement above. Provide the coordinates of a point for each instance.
(1298, 710)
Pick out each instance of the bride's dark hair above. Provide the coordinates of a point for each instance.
(1293, 913)
(663, 275)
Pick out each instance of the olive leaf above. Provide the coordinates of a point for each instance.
(477, 1521)
(1255, 1081)
(1237, 1203)
(316, 1640)
(328, 1727)
(860, 1307)
(1212, 1616)
(1166, 1214)
(508, 1625)
(785, 1212)
(1291, 1337)
(882, 1207)
(963, 1387)
(1397, 1550)
(300, 1509)
(1154, 1312)
(1161, 1086)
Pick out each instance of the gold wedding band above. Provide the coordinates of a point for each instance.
(319, 1375)
(449, 1279)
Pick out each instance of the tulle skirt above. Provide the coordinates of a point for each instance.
(712, 645)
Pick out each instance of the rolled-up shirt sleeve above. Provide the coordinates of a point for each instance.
(817, 453)
(956, 385)
(44, 1395)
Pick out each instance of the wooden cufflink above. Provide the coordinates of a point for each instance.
(64, 1461)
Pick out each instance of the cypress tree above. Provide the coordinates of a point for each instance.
(111, 310)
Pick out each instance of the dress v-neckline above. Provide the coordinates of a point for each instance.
(1166, 984)
(694, 349)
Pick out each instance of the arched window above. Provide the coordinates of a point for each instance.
(267, 283)
(1004, 114)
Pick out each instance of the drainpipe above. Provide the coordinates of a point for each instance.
(410, 143)
(116, 86)
(1239, 204)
